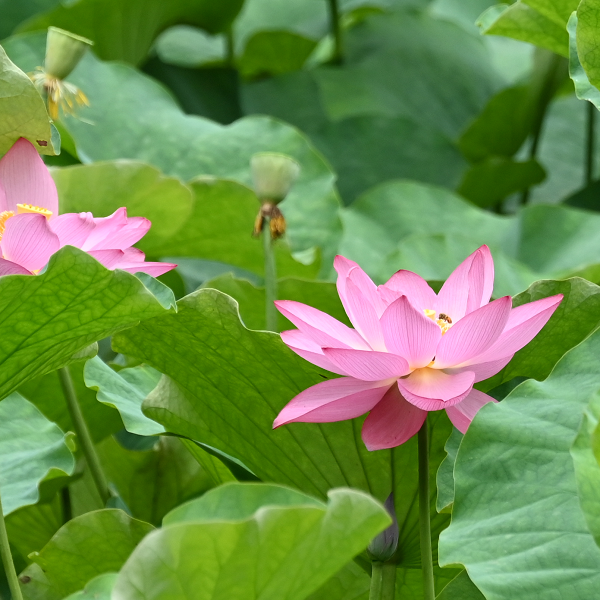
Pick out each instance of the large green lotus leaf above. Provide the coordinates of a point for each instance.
(349, 583)
(22, 111)
(587, 39)
(558, 11)
(225, 386)
(583, 88)
(31, 448)
(251, 299)
(493, 179)
(445, 474)
(47, 394)
(126, 32)
(90, 545)
(279, 552)
(102, 188)
(220, 229)
(517, 523)
(14, 13)
(99, 588)
(364, 149)
(153, 482)
(521, 22)
(577, 316)
(50, 317)
(124, 390)
(140, 120)
(461, 587)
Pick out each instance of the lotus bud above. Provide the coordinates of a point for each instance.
(273, 175)
(384, 545)
(64, 50)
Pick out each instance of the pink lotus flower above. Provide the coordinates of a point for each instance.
(411, 351)
(31, 230)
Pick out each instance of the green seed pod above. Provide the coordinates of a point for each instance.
(273, 175)
(64, 50)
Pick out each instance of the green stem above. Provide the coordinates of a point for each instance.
(388, 584)
(270, 277)
(230, 57)
(7, 561)
(424, 508)
(336, 31)
(590, 143)
(376, 581)
(83, 435)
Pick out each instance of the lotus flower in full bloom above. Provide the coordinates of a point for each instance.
(411, 351)
(31, 230)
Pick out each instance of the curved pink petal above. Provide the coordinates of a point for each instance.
(303, 346)
(343, 266)
(123, 237)
(154, 269)
(3, 203)
(414, 287)
(319, 326)
(105, 227)
(367, 365)
(473, 334)
(468, 285)
(107, 258)
(432, 389)
(29, 241)
(524, 323)
(462, 414)
(363, 315)
(26, 179)
(483, 370)
(409, 333)
(11, 268)
(369, 290)
(133, 255)
(73, 229)
(392, 422)
(333, 400)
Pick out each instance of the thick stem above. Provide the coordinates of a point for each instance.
(83, 435)
(388, 583)
(270, 277)
(424, 508)
(376, 581)
(590, 143)
(7, 561)
(336, 31)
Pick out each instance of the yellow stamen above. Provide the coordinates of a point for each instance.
(4, 216)
(430, 313)
(29, 208)
(443, 321)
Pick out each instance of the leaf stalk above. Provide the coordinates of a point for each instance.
(424, 514)
(7, 561)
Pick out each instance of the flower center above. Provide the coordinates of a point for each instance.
(443, 320)
(4, 216)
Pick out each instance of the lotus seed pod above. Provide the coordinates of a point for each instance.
(64, 50)
(273, 175)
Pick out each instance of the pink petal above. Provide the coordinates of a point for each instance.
(369, 290)
(303, 346)
(105, 227)
(319, 326)
(133, 231)
(462, 414)
(73, 228)
(11, 268)
(367, 365)
(409, 333)
(483, 370)
(107, 258)
(473, 334)
(457, 294)
(432, 389)
(154, 269)
(524, 323)
(3, 204)
(392, 422)
(132, 254)
(29, 241)
(333, 400)
(414, 287)
(343, 266)
(363, 315)
(26, 180)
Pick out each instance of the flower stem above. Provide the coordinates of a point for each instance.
(590, 143)
(270, 277)
(376, 581)
(7, 561)
(388, 584)
(336, 31)
(83, 434)
(424, 509)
